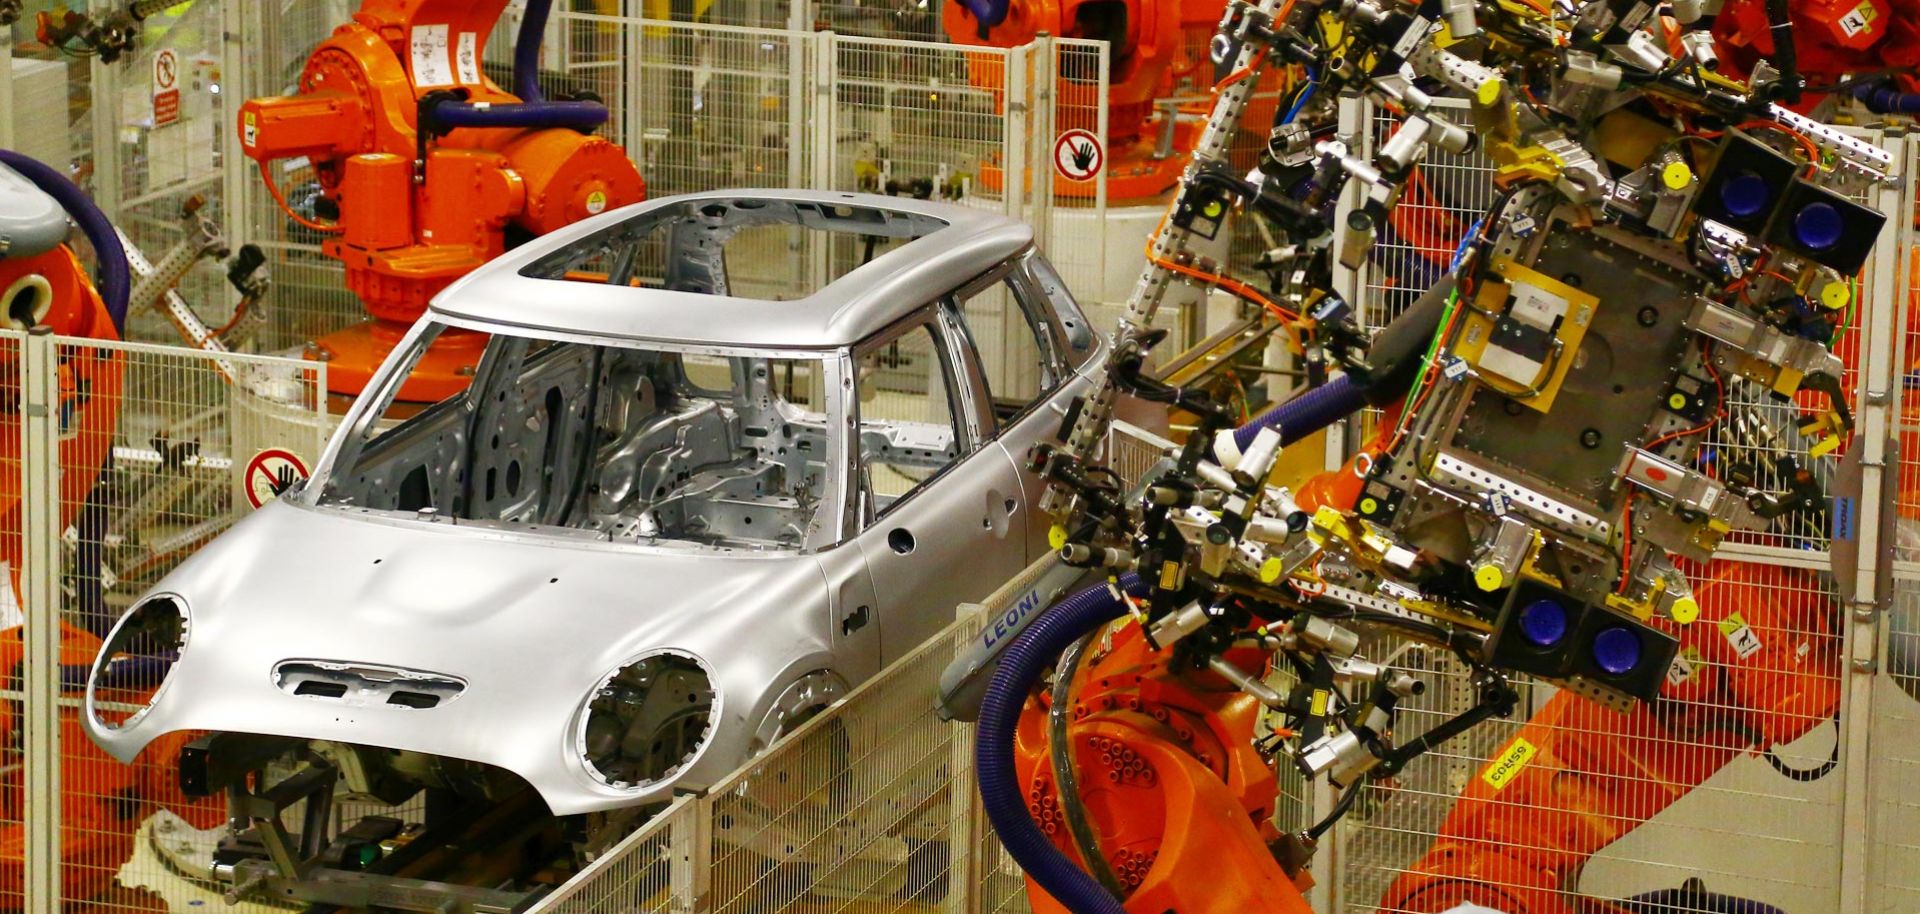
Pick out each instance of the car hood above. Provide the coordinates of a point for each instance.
(530, 624)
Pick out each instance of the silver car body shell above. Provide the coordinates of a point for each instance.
(531, 623)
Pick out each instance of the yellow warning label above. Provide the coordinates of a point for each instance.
(1508, 765)
(1319, 706)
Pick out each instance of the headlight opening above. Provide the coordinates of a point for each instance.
(137, 660)
(647, 720)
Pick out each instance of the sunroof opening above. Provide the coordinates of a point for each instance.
(775, 250)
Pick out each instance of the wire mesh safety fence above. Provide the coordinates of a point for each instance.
(121, 458)
(1739, 781)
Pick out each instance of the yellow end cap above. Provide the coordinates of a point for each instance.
(1684, 610)
(1368, 506)
(1676, 176)
(1487, 93)
(1677, 401)
(1057, 536)
(1489, 577)
(1270, 571)
(1836, 295)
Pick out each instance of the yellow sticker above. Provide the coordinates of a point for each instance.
(596, 201)
(1057, 536)
(1169, 575)
(1508, 765)
(1318, 708)
(1270, 570)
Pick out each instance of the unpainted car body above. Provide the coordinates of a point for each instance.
(665, 490)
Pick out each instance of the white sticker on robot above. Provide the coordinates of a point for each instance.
(466, 57)
(11, 615)
(1860, 20)
(1682, 668)
(427, 47)
(1740, 635)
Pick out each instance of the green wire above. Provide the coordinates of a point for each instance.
(1433, 345)
(1853, 300)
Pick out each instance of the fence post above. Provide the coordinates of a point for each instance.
(1045, 60)
(39, 597)
(1880, 342)
(104, 119)
(797, 106)
(633, 66)
(825, 147)
(965, 869)
(690, 856)
(1013, 143)
(6, 94)
(1101, 126)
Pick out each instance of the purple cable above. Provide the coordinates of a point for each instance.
(116, 278)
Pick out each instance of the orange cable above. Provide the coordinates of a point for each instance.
(273, 190)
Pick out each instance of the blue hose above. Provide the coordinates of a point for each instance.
(116, 278)
(1037, 646)
(989, 12)
(1305, 414)
(1884, 99)
(540, 114)
(526, 51)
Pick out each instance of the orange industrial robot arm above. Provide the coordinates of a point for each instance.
(426, 166)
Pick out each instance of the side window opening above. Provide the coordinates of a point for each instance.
(1015, 343)
(908, 430)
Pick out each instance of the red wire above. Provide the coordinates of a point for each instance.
(273, 190)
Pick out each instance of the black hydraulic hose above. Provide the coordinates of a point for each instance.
(1066, 775)
(116, 277)
(1020, 667)
(1786, 57)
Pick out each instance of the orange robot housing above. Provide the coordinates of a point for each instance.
(1154, 46)
(418, 205)
(1169, 780)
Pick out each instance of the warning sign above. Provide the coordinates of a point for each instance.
(1078, 156)
(166, 87)
(270, 473)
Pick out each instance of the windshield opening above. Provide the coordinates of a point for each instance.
(630, 443)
